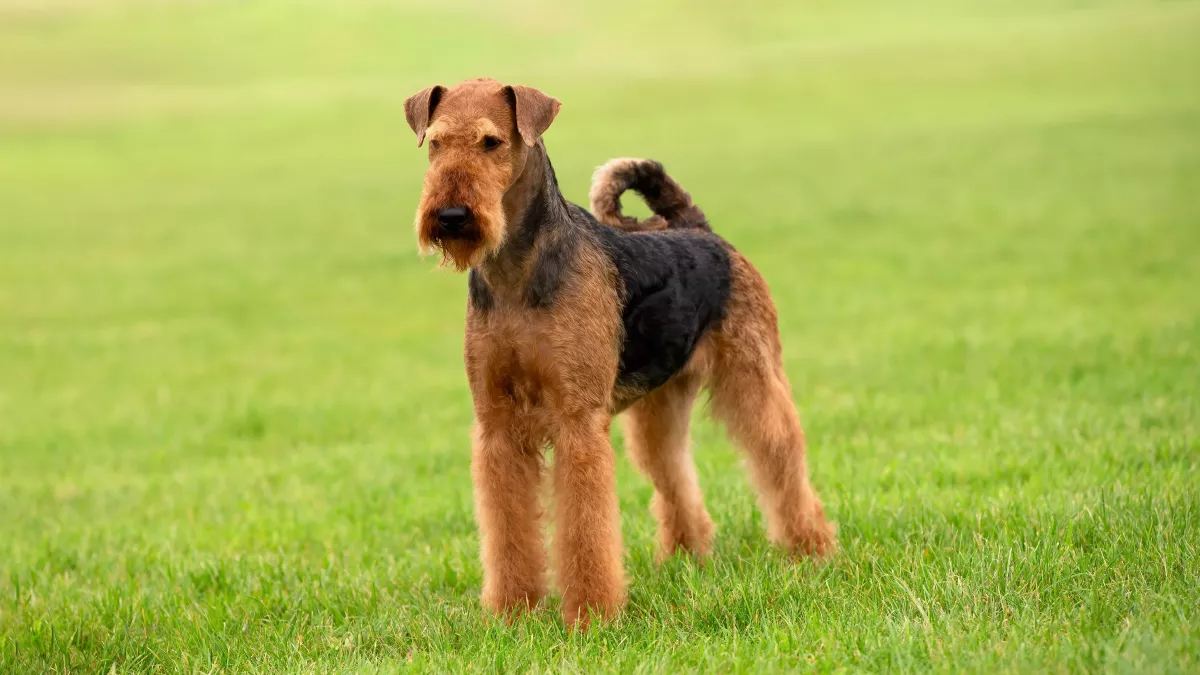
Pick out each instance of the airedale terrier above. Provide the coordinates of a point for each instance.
(572, 320)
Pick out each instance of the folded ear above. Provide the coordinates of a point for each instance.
(533, 109)
(418, 108)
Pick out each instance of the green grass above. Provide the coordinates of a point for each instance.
(233, 415)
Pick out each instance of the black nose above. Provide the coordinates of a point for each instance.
(453, 217)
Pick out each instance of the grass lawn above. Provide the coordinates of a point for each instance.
(233, 413)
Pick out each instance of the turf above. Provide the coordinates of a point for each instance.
(233, 415)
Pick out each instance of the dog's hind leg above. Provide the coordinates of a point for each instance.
(751, 395)
(656, 433)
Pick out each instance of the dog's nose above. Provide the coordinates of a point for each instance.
(453, 217)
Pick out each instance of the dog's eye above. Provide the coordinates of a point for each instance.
(434, 145)
(491, 142)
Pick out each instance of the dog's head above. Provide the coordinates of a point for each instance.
(479, 135)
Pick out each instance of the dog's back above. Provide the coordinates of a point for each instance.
(674, 286)
(674, 272)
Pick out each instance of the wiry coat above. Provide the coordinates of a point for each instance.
(571, 320)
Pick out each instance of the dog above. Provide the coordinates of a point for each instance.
(573, 319)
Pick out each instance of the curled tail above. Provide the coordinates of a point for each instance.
(672, 205)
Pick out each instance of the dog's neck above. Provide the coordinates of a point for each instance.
(534, 209)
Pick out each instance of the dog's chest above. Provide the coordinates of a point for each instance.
(537, 360)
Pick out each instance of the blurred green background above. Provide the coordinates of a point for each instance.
(233, 417)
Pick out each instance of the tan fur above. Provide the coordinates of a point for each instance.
(751, 395)
(460, 171)
(535, 111)
(656, 432)
(546, 378)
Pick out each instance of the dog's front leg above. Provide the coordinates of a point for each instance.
(507, 476)
(588, 523)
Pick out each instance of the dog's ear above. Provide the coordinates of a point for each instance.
(533, 109)
(418, 108)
